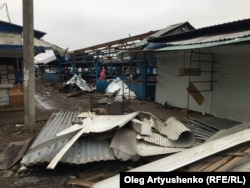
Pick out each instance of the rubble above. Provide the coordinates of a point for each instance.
(75, 86)
(83, 137)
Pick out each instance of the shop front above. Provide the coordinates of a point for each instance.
(11, 88)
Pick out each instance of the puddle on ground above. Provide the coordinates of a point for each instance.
(42, 103)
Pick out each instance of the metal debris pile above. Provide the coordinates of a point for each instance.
(84, 137)
(76, 86)
(204, 128)
(118, 90)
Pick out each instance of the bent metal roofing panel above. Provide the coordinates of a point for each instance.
(47, 145)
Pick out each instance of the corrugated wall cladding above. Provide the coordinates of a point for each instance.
(172, 88)
(85, 150)
(230, 95)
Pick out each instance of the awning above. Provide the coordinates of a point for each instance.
(11, 45)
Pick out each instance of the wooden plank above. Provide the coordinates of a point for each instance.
(80, 182)
(185, 157)
(189, 71)
(216, 165)
(201, 167)
(197, 167)
(195, 93)
(228, 164)
(235, 160)
(221, 162)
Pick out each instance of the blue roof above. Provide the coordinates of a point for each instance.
(13, 28)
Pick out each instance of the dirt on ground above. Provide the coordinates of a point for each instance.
(51, 98)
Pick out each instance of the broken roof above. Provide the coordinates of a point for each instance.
(11, 45)
(227, 33)
(230, 27)
(169, 30)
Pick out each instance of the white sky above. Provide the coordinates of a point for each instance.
(76, 24)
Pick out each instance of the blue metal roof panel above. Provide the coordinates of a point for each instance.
(13, 28)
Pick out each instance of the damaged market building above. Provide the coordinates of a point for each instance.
(202, 70)
(130, 59)
(196, 70)
(11, 64)
(206, 70)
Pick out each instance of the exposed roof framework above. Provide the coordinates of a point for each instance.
(132, 42)
(113, 46)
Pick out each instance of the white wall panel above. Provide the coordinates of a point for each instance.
(230, 97)
(172, 88)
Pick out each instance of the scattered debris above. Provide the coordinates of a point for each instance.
(78, 81)
(75, 86)
(205, 127)
(107, 106)
(88, 141)
(13, 153)
(218, 163)
(76, 137)
(118, 90)
(19, 125)
(188, 157)
(168, 106)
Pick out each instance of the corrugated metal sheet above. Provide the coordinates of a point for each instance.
(231, 92)
(124, 140)
(200, 130)
(170, 28)
(147, 149)
(208, 41)
(185, 157)
(57, 122)
(213, 38)
(175, 128)
(206, 127)
(83, 151)
(165, 31)
(119, 89)
(172, 133)
(156, 138)
(229, 97)
(230, 27)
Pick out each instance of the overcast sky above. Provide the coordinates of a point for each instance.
(76, 24)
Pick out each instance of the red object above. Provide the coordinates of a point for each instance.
(103, 74)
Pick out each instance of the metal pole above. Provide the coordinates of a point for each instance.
(28, 69)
